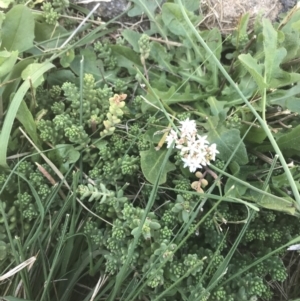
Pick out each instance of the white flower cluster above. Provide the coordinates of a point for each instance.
(194, 149)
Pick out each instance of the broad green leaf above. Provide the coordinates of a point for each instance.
(63, 155)
(190, 5)
(49, 36)
(288, 142)
(67, 58)
(214, 41)
(282, 180)
(216, 106)
(144, 6)
(255, 135)
(270, 49)
(286, 98)
(132, 37)
(227, 141)
(160, 55)
(130, 60)
(68, 152)
(151, 161)
(59, 77)
(127, 58)
(283, 204)
(2, 18)
(274, 76)
(18, 29)
(240, 172)
(31, 69)
(90, 63)
(13, 109)
(7, 61)
(25, 117)
(254, 69)
(168, 97)
(175, 22)
(148, 8)
(247, 86)
(291, 32)
(15, 77)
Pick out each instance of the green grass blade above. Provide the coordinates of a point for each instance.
(13, 109)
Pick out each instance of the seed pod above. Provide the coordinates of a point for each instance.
(204, 183)
(199, 175)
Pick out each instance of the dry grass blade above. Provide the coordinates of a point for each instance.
(99, 284)
(29, 262)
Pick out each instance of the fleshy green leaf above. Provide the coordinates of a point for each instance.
(154, 225)
(135, 231)
(18, 29)
(151, 161)
(185, 216)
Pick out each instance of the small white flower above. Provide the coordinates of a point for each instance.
(188, 128)
(194, 149)
(212, 151)
(171, 138)
(191, 163)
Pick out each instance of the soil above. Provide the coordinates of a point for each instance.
(225, 14)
